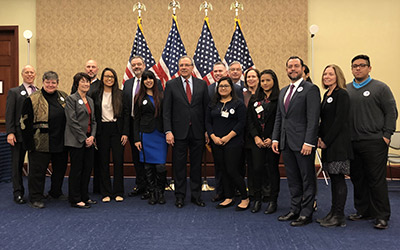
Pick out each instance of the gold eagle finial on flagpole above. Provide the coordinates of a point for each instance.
(139, 7)
(174, 4)
(236, 5)
(206, 5)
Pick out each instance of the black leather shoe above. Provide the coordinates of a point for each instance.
(356, 217)
(334, 221)
(19, 199)
(86, 206)
(327, 217)
(161, 198)
(256, 207)
(136, 191)
(145, 195)
(179, 203)
(217, 197)
(219, 206)
(381, 224)
(153, 199)
(198, 202)
(272, 206)
(301, 221)
(36, 204)
(91, 202)
(288, 216)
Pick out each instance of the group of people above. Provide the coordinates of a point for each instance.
(247, 123)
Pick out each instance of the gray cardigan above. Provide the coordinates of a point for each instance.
(78, 120)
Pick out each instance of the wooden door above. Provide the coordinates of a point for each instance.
(8, 66)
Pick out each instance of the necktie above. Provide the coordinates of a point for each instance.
(137, 86)
(32, 88)
(188, 91)
(287, 101)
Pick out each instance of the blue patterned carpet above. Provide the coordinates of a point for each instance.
(133, 224)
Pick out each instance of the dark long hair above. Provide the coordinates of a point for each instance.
(260, 95)
(116, 93)
(157, 95)
(217, 96)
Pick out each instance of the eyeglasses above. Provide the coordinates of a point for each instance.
(185, 65)
(224, 86)
(363, 65)
(110, 77)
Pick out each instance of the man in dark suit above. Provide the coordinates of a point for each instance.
(295, 135)
(219, 71)
(131, 88)
(15, 99)
(185, 104)
(235, 73)
(91, 69)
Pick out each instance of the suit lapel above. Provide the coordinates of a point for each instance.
(22, 90)
(282, 102)
(295, 94)
(182, 90)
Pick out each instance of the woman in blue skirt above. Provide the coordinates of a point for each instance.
(149, 136)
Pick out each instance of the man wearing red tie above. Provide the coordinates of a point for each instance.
(15, 98)
(185, 103)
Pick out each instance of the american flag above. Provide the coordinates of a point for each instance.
(167, 67)
(206, 55)
(238, 50)
(139, 48)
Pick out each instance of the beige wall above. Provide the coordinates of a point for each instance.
(348, 28)
(23, 14)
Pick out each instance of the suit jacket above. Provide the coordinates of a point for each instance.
(267, 118)
(78, 120)
(299, 124)
(178, 113)
(144, 118)
(122, 119)
(128, 88)
(212, 88)
(15, 100)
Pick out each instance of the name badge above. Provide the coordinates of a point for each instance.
(80, 102)
(23, 92)
(62, 99)
(300, 89)
(144, 102)
(329, 100)
(366, 93)
(224, 114)
(259, 109)
(232, 111)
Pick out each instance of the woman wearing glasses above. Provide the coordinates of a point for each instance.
(112, 117)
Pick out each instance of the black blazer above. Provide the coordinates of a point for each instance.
(178, 113)
(15, 100)
(265, 117)
(334, 128)
(144, 118)
(122, 119)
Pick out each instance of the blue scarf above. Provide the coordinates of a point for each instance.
(361, 84)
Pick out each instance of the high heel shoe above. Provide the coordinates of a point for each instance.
(220, 206)
(256, 207)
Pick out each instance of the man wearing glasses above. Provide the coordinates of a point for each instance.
(373, 120)
(185, 104)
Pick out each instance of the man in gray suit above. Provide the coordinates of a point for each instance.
(295, 135)
(15, 98)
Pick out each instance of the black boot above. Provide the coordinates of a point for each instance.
(272, 206)
(161, 181)
(256, 206)
(151, 180)
(153, 198)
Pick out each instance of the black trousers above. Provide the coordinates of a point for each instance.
(38, 164)
(179, 160)
(110, 139)
(339, 193)
(265, 171)
(300, 172)
(368, 174)
(18, 154)
(247, 164)
(229, 159)
(79, 174)
(139, 167)
(96, 172)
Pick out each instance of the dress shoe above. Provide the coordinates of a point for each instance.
(242, 208)
(327, 217)
(334, 221)
(199, 202)
(91, 202)
(106, 199)
(136, 191)
(161, 198)
(357, 216)
(220, 206)
(380, 224)
(19, 199)
(179, 203)
(217, 197)
(86, 206)
(145, 195)
(36, 204)
(288, 216)
(152, 200)
(272, 206)
(301, 221)
(256, 207)
(119, 198)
